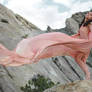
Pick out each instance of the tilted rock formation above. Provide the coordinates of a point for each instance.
(14, 28)
(77, 86)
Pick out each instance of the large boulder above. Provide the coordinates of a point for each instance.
(77, 86)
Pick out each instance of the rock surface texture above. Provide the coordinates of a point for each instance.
(78, 86)
(14, 28)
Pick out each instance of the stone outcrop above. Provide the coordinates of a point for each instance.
(14, 28)
(77, 86)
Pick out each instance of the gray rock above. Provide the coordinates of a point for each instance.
(71, 26)
(77, 86)
(14, 28)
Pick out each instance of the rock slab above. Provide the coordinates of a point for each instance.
(77, 86)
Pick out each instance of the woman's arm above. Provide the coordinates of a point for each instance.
(90, 26)
(90, 31)
(76, 35)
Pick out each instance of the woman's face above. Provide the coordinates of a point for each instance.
(88, 16)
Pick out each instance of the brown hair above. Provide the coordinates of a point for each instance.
(82, 22)
(85, 23)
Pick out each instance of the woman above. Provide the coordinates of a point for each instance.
(85, 32)
(47, 45)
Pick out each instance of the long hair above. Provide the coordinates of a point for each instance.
(82, 22)
(85, 23)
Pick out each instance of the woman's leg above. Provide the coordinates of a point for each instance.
(83, 66)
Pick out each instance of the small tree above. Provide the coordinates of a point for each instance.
(38, 84)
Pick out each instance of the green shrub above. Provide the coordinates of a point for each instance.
(37, 84)
(25, 36)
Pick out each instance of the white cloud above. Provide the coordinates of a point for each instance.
(65, 2)
(1, 1)
(80, 7)
(42, 15)
(85, 6)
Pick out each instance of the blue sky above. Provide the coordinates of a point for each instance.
(47, 12)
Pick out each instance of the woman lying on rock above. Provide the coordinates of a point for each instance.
(52, 44)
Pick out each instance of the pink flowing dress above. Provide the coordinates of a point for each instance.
(47, 45)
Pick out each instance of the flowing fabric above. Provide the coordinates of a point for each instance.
(46, 45)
